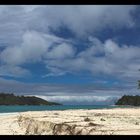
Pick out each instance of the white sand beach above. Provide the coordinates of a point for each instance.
(117, 121)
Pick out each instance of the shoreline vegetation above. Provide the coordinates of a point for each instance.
(129, 100)
(11, 99)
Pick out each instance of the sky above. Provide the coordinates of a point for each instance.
(82, 54)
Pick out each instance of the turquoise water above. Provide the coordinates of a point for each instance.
(9, 109)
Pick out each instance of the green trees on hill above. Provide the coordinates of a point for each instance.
(11, 99)
(129, 100)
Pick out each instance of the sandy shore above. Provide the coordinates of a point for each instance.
(117, 121)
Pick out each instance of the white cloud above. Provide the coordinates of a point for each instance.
(34, 46)
(13, 71)
(61, 51)
(30, 50)
(25, 29)
(82, 20)
(54, 72)
(89, 18)
(119, 61)
(60, 56)
(85, 100)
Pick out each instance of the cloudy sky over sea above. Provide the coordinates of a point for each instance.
(66, 53)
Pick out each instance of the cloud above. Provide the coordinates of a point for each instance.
(81, 20)
(27, 36)
(35, 47)
(66, 90)
(68, 94)
(107, 58)
(13, 71)
(84, 20)
(31, 49)
(123, 59)
(61, 51)
(82, 100)
(54, 93)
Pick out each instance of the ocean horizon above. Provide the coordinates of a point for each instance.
(24, 108)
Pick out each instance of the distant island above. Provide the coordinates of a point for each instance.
(11, 99)
(129, 100)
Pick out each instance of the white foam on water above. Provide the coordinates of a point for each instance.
(5, 114)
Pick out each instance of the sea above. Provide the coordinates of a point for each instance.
(24, 108)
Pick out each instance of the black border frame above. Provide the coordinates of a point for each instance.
(69, 2)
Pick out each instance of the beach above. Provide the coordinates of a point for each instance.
(116, 121)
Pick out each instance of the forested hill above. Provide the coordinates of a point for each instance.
(129, 100)
(11, 99)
